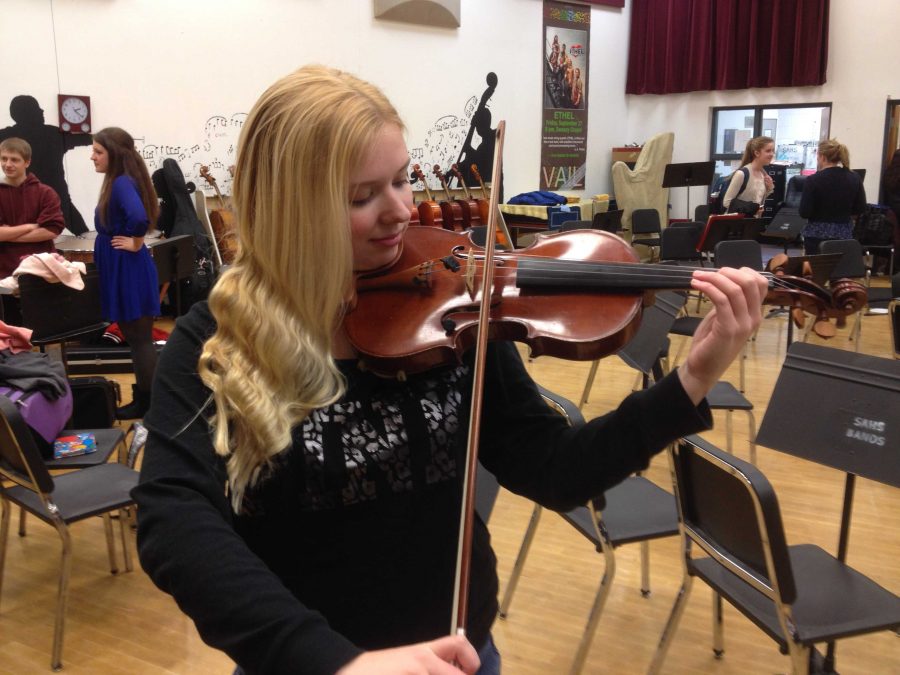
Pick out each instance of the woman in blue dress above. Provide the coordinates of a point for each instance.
(129, 288)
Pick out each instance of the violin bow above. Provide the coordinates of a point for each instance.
(467, 516)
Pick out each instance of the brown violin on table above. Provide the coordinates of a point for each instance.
(223, 222)
(484, 202)
(574, 295)
(455, 218)
(469, 205)
(429, 211)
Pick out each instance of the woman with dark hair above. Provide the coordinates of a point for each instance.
(127, 209)
(830, 197)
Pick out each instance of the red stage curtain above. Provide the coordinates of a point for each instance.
(699, 45)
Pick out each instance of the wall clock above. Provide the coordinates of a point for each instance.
(74, 113)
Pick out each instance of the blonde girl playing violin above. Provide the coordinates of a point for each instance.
(303, 511)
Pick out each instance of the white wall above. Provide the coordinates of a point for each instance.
(182, 74)
(863, 72)
(163, 69)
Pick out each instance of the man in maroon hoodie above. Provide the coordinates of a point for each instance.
(30, 214)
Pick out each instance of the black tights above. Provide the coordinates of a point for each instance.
(139, 335)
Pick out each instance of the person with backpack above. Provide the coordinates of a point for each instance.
(751, 183)
(831, 196)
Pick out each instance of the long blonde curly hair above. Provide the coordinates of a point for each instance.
(269, 363)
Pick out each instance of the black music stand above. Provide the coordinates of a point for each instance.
(687, 175)
(787, 225)
(850, 424)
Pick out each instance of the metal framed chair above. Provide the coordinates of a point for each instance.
(798, 595)
(571, 225)
(57, 313)
(609, 221)
(635, 510)
(648, 352)
(646, 229)
(678, 244)
(58, 501)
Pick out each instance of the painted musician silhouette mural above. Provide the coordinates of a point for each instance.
(482, 155)
(48, 145)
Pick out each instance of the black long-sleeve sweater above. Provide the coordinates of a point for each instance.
(832, 195)
(349, 542)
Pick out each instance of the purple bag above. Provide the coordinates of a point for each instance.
(45, 417)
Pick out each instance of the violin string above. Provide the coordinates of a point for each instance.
(638, 272)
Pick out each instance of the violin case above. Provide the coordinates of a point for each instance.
(90, 359)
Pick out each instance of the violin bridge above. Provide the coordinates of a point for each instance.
(422, 278)
(470, 273)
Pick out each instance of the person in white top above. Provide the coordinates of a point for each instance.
(758, 154)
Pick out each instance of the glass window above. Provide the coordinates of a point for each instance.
(797, 130)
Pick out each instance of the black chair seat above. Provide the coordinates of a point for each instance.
(646, 241)
(82, 494)
(686, 325)
(821, 614)
(635, 510)
(82, 332)
(879, 297)
(107, 441)
(725, 396)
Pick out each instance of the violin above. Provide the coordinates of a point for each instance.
(573, 295)
(473, 206)
(222, 220)
(455, 216)
(428, 209)
(484, 202)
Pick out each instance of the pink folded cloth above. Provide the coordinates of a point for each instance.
(15, 338)
(54, 268)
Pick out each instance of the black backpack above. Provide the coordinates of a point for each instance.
(718, 207)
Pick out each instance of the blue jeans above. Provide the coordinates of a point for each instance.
(488, 654)
(490, 658)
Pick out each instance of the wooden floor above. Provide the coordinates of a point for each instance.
(122, 624)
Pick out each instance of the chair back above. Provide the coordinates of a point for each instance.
(54, 310)
(570, 225)
(851, 265)
(20, 460)
(729, 510)
(794, 192)
(651, 339)
(701, 213)
(609, 221)
(175, 258)
(680, 243)
(739, 253)
(645, 221)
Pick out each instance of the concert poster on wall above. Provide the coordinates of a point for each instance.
(567, 29)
